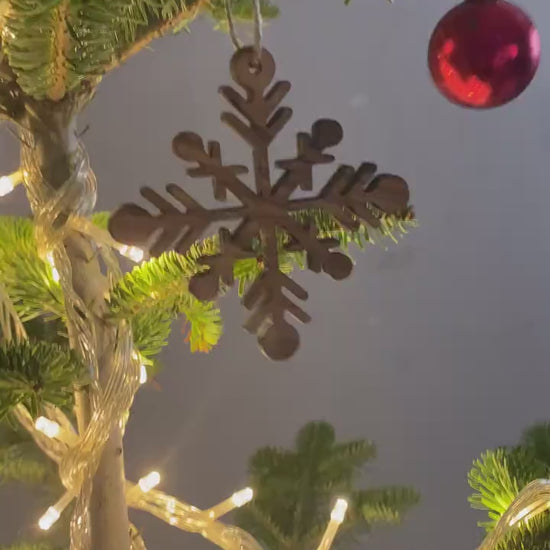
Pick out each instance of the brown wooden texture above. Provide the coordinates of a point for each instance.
(351, 196)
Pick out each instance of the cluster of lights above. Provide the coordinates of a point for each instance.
(147, 483)
(53, 513)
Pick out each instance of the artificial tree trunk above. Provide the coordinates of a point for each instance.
(52, 129)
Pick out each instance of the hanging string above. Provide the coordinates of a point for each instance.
(231, 25)
(258, 27)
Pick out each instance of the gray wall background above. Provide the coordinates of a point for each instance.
(436, 348)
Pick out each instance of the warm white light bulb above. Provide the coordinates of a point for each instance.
(49, 518)
(7, 185)
(142, 374)
(47, 427)
(242, 497)
(150, 481)
(132, 252)
(339, 511)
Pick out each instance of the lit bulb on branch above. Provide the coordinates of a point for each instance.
(8, 183)
(240, 498)
(337, 517)
(49, 518)
(338, 513)
(236, 500)
(142, 368)
(53, 430)
(150, 481)
(53, 513)
(142, 374)
(48, 427)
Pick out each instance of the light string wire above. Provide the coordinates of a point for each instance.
(258, 27)
(531, 501)
(57, 213)
(77, 456)
(60, 214)
(52, 208)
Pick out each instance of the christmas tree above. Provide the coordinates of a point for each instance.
(78, 334)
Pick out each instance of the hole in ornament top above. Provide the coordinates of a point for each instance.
(255, 67)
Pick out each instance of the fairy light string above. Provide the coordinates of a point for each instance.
(258, 27)
(56, 437)
(60, 213)
(78, 455)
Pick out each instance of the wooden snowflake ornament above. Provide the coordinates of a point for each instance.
(351, 196)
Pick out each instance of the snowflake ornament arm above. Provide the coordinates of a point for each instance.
(351, 196)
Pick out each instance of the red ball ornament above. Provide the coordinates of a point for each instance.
(484, 53)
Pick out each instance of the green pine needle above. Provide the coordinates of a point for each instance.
(295, 490)
(32, 374)
(153, 294)
(52, 46)
(27, 278)
(499, 475)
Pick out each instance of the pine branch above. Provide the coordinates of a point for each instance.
(101, 219)
(385, 505)
(27, 278)
(536, 440)
(154, 294)
(499, 475)
(534, 535)
(60, 48)
(152, 23)
(20, 458)
(32, 374)
(15, 465)
(11, 327)
(391, 227)
(54, 45)
(261, 526)
(350, 456)
(241, 10)
(294, 490)
(494, 486)
(36, 42)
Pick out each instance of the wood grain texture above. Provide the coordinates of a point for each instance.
(351, 196)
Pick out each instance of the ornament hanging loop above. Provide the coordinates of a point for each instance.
(258, 31)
